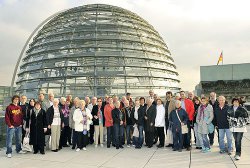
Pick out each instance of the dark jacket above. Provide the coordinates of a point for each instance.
(238, 119)
(24, 110)
(128, 113)
(150, 113)
(173, 119)
(141, 114)
(221, 117)
(116, 116)
(50, 115)
(95, 112)
(216, 103)
(36, 125)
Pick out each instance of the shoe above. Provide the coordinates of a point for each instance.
(43, 153)
(137, 147)
(222, 151)
(108, 146)
(73, 147)
(35, 152)
(133, 145)
(121, 147)
(150, 146)
(237, 157)
(128, 146)
(113, 145)
(84, 149)
(95, 146)
(160, 146)
(65, 145)
(54, 150)
(229, 153)
(117, 147)
(9, 155)
(169, 145)
(102, 145)
(21, 152)
(189, 148)
(174, 149)
(78, 149)
(180, 150)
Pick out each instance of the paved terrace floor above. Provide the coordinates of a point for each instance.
(129, 158)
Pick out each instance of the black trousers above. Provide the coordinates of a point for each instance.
(74, 138)
(38, 147)
(91, 134)
(65, 136)
(82, 140)
(211, 136)
(161, 135)
(110, 135)
(149, 138)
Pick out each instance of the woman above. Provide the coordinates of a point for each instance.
(83, 118)
(197, 102)
(204, 117)
(137, 116)
(55, 123)
(160, 122)
(238, 118)
(37, 123)
(66, 133)
(118, 123)
(98, 121)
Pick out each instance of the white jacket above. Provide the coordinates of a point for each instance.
(160, 116)
(77, 117)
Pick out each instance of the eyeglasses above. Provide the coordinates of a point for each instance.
(99, 101)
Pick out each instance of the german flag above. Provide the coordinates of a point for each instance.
(220, 58)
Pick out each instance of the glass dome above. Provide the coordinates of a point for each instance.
(96, 50)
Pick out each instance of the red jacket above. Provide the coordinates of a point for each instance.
(189, 105)
(13, 116)
(108, 115)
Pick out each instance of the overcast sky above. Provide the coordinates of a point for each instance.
(196, 31)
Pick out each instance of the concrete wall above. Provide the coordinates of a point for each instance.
(225, 72)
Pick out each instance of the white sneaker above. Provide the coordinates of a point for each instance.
(102, 145)
(21, 152)
(237, 157)
(9, 155)
(84, 149)
(128, 146)
(95, 146)
(78, 149)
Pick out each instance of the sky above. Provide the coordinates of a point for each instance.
(195, 31)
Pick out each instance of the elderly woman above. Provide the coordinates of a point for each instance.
(66, 132)
(119, 120)
(160, 122)
(82, 118)
(37, 124)
(238, 119)
(204, 117)
(55, 123)
(178, 118)
(150, 114)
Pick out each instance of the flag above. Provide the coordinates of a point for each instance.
(220, 58)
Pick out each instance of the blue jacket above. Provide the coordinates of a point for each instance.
(176, 125)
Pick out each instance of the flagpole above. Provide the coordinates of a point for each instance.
(222, 56)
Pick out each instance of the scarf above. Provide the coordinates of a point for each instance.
(136, 112)
(65, 111)
(202, 109)
(100, 115)
(36, 111)
(84, 115)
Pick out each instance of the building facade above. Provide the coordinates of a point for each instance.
(96, 50)
(229, 80)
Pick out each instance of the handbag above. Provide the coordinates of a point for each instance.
(184, 128)
(26, 143)
(136, 131)
(169, 138)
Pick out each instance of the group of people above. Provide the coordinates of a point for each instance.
(142, 122)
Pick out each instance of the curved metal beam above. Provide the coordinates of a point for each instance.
(25, 46)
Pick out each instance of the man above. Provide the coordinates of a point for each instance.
(213, 101)
(69, 100)
(14, 122)
(72, 123)
(122, 102)
(150, 115)
(151, 95)
(109, 121)
(155, 99)
(115, 99)
(106, 97)
(128, 122)
(129, 98)
(170, 106)
(221, 113)
(190, 96)
(24, 105)
(51, 99)
(188, 106)
(142, 101)
(91, 131)
(87, 101)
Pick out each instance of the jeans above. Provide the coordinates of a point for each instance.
(18, 136)
(118, 134)
(203, 140)
(178, 140)
(129, 129)
(238, 137)
(197, 142)
(139, 140)
(228, 133)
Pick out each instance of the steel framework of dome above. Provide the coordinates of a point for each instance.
(96, 50)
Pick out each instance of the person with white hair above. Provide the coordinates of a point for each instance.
(72, 122)
(83, 118)
(178, 118)
(51, 98)
(92, 130)
(150, 115)
(55, 123)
